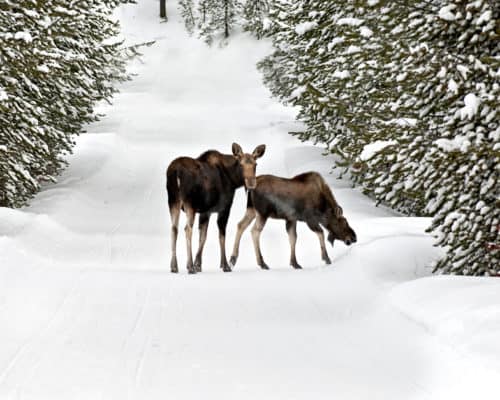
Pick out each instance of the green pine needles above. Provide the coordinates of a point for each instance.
(56, 61)
(216, 20)
(407, 96)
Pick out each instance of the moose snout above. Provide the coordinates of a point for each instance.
(350, 240)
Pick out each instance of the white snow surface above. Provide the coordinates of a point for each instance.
(89, 309)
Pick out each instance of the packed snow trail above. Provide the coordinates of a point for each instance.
(89, 309)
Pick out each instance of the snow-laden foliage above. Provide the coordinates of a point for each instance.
(255, 17)
(216, 20)
(408, 95)
(57, 59)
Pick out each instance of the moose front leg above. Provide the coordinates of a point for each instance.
(256, 231)
(222, 218)
(316, 228)
(203, 227)
(242, 225)
(324, 254)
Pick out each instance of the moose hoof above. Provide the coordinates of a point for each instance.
(232, 260)
(226, 268)
(191, 269)
(197, 265)
(296, 266)
(328, 261)
(173, 267)
(264, 266)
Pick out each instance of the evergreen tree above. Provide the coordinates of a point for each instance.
(55, 64)
(406, 94)
(255, 17)
(188, 15)
(217, 19)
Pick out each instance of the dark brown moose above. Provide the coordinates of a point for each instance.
(206, 185)
(305, 197)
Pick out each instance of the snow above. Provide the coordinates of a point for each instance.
(304, 27)
(371, 149)
(350, 21)
(365, 32)
(297, 92)
(26, 36)
(341, 74)
(458, 143)
(453, 86)
(446, 13)
(471, 106)
(89, 309)
(335, 42)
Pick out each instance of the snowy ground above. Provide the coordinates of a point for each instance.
(89, 309)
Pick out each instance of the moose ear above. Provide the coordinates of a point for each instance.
(338, 212)
(237, 151)
(259, 151)
(331, 238)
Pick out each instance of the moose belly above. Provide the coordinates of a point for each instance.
(279, 207)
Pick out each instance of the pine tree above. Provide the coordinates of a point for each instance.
(255, 17)
(406, 95)
(217, 19)
(188, 15)
(55, 64)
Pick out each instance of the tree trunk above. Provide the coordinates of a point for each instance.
(226, 19)
(163, 9)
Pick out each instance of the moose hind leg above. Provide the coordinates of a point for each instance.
(291, 228)
(256, 231)
(190, 214)
(203, 227)
(222, 218)
(175, 210)
(242, 225)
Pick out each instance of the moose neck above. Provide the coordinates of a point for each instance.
(234, 171)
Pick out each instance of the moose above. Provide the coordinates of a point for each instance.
(305, 197)
(206, 185)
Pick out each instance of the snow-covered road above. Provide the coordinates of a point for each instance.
(89, 309)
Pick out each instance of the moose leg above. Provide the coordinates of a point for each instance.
(256, 231)
(222, 218)
(316, 228)
(189, 235)
(291, 228)
(324, 254)
(175, 211)
(203, 227)
(242, 225)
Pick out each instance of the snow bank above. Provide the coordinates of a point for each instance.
(462, 312)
